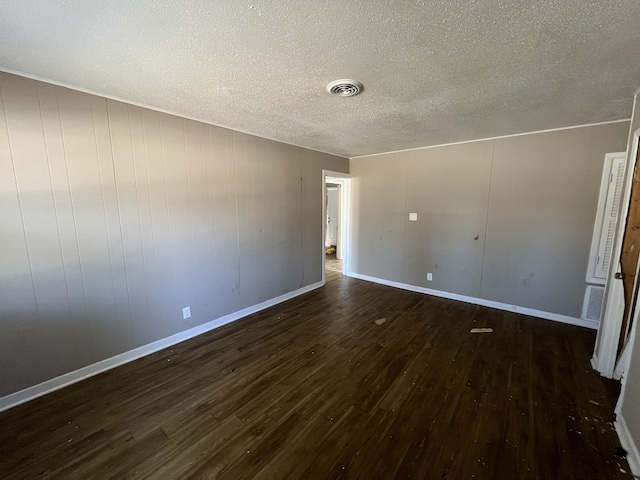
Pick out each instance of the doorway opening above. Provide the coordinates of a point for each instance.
(335, 222)
(333, 258)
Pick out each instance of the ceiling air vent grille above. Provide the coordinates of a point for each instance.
(345, 88)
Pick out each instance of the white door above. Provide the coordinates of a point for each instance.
(332, 217)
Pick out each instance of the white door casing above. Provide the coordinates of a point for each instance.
(605, 351)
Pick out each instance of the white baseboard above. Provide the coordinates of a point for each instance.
(626, 440)
(48, 386)
(479, 301)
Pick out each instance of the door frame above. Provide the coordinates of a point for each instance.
(606, 349)
(344, 231)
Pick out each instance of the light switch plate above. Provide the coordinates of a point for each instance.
(413, 217)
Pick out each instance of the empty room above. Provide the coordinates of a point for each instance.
(338, 239)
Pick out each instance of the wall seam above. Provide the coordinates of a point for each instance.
(301, 227)
(235, 190)
(404, 219)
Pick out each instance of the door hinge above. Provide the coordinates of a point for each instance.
(619, 276)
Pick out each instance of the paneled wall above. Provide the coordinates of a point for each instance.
(507, 220)
(114, 217)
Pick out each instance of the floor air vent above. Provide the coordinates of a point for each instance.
(592, 306)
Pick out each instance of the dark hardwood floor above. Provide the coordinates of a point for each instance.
(314, 388)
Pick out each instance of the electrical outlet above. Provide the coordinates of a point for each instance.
(429, 277)
(186, 313)
(413, 217)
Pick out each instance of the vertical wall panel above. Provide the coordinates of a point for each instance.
(273, 220)
(113, 221)
(22, 111)
(146, 308)
(257, 220)
(261, 228)
(242, 185)
(283, 217)
(114, 217)
(159, 235)
(293, 219)
(198, 214)
(227, 273)
(210, 254)
(131, 279)
(21, 332)
(178, 202)
(85, 181)
(59, 174)
(310, 191)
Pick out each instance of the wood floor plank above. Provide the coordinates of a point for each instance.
(368, 432)
(316, 388)
(258, 455)
(292, 461)
(187, 449)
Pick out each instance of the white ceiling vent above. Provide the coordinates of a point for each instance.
(345, 87)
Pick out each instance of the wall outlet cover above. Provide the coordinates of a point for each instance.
(429, 277)
(413, 217)
(186, 313)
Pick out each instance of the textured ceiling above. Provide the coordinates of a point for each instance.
(434, 72)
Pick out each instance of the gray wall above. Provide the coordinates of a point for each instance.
(530, 200)
(114, 217)
(631, 400)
